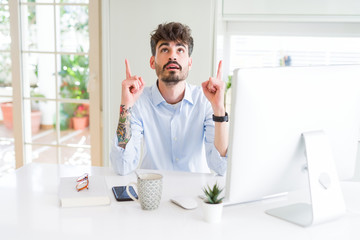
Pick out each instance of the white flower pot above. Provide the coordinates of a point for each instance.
(212, 212)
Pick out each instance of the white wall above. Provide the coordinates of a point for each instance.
(126, 34)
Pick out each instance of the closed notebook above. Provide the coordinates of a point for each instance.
(95, 195)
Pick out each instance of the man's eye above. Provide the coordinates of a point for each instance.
(164, 50)
(181, 50)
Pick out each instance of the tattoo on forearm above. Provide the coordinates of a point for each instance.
(124, 129)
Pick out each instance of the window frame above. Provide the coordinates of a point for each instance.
(307, 27)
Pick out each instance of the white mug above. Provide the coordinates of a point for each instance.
(149, 190)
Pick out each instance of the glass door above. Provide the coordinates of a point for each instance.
(52, 97)
(55, 74)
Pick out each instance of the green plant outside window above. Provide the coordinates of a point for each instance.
(74, 80)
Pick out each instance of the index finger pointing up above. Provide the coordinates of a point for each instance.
(219, 72)
(127, 66)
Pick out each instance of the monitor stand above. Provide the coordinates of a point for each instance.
(327, 202)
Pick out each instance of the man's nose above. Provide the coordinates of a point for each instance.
(172, 56)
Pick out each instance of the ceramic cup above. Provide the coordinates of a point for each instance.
(149, 190)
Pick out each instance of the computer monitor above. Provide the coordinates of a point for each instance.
(273, 112)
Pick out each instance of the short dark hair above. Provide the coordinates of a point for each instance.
(172, 31)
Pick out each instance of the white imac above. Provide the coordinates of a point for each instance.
(290, 128)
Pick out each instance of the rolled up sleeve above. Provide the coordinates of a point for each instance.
(215, 161)
(126, 160)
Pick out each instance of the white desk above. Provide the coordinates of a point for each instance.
(29, 209)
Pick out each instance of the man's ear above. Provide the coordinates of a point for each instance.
(152, 62)
(190, 62)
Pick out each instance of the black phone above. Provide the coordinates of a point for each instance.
(121, 194)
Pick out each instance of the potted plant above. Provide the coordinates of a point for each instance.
(7, 111)
(213, 204)
(35, 111)
(81, 117)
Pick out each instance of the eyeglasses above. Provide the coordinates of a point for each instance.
(83, 182)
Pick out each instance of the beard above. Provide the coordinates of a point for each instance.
(170, 77)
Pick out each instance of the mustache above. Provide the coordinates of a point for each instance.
(172, 62)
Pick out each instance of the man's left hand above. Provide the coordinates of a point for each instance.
(214, 90)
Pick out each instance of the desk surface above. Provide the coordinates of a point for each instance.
(29, 209)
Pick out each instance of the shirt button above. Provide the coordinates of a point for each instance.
(175, 138)
(177, 159)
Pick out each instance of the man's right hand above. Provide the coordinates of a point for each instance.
(132, 88)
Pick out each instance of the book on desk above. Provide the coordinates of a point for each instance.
(95, 195)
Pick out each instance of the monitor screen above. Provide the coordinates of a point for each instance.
(271, 108)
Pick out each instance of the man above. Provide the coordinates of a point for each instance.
(174, 118)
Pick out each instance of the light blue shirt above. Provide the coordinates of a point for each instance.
(174, 135)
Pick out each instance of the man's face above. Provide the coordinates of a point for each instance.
(171, 62)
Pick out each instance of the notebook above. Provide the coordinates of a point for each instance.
(95, 195)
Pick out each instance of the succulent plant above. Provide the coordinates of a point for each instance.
(213, 194)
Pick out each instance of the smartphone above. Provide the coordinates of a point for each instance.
(121, 194)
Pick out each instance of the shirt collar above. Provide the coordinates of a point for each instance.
(188, 94)
(157, 98)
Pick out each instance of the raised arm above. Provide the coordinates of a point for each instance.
(132, 88)
(214, 90)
